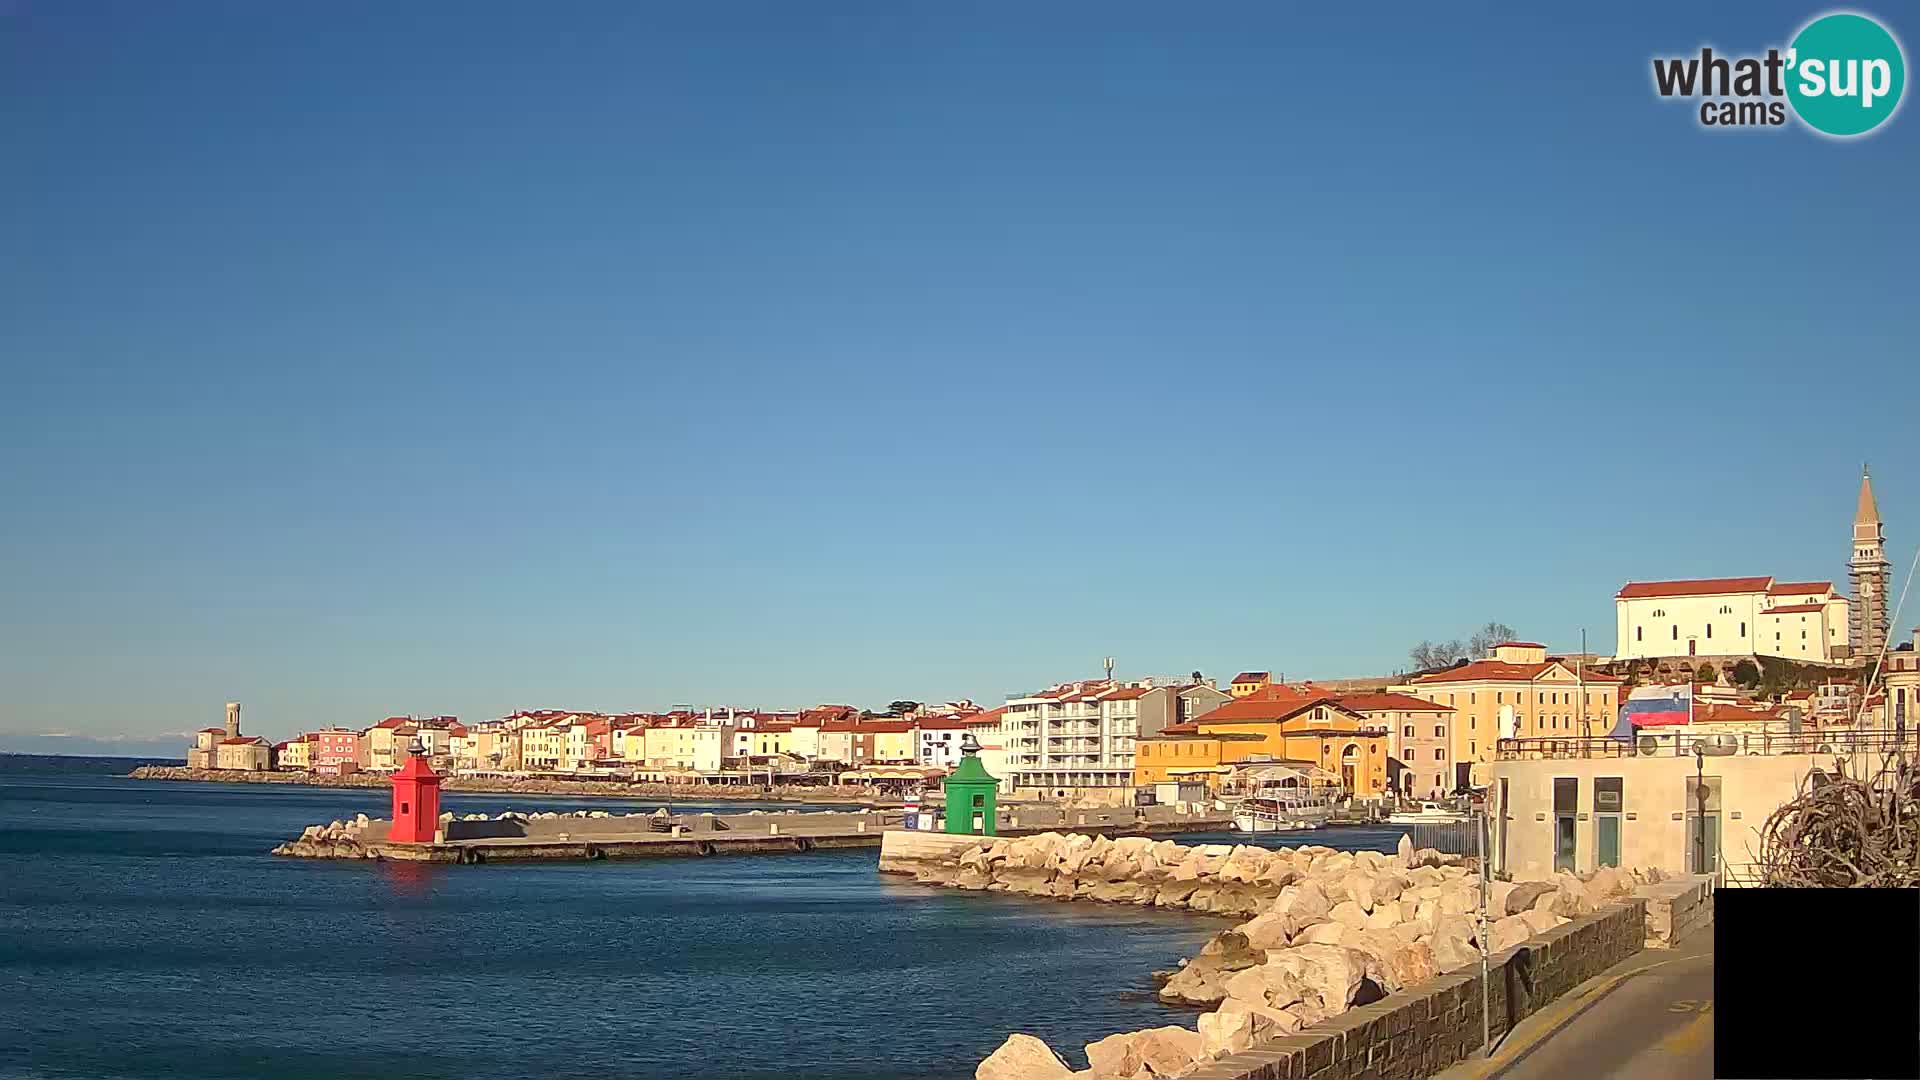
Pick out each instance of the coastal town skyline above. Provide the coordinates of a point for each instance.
(1830, 633)
(983, 348)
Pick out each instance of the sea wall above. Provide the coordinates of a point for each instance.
(1677, 908)
(1420, 1031)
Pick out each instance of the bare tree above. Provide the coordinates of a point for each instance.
(1485, 638)
(1430, 655)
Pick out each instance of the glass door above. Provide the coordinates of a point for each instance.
(1566, 805)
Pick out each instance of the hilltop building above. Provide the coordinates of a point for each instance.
(1731, 617)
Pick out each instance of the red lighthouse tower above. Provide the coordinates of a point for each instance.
(416, 802)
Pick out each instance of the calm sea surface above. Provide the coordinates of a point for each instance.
(145, 932)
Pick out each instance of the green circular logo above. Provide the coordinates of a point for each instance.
(1845, 73)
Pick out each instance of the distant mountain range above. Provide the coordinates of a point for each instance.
(167, 747)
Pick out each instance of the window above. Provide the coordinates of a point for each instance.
(1439, 731)
(1439, 754)
(1500, 698)
(1407, 732)
(1471, 698)
(1636, 633)
(1709, 631)
(1676, 632)
(1743, 629)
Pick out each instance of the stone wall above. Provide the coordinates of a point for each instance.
(1422, 1030)
(1677, 908)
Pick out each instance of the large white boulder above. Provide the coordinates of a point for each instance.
(1170, 1050)
(1114, 1055)
(1266, 931)
(1023, 1057)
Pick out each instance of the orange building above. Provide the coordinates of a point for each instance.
(1313, 728)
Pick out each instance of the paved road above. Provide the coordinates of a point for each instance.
(1648, 1018)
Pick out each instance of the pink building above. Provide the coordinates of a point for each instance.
(334, 746)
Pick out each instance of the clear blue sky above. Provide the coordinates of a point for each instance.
(616, 355)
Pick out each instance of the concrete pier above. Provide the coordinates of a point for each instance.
(520, 838)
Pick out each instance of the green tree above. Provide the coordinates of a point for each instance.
(901, 707)
(1706, 674)
(1746, 674)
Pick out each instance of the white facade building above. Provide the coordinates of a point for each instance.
(1075, 739)
(1745, 616)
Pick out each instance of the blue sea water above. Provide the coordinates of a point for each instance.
(145, 932)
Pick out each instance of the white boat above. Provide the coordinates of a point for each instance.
(1285, 800)
(1429, 814)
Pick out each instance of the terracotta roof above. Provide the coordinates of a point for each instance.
(1257, 709)
(1795, 588)
(244, 740)
(945, 723)
(1252, 676)
(1502, 671)
(1380, 701)
(214, 730)
(1519, 645)
(991, 716)
(883, 727)
(1793, 609)
(1125, 693)
(1636, 590)
(391, 722)
(1188, 728)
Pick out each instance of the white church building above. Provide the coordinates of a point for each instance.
(1742, 616)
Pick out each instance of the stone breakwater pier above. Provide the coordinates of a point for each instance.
(598, 834)
(1347, 964)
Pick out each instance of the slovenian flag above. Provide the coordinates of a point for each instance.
(1658, 706)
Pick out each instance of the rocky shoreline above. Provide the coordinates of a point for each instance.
(1328, 930)
(489, 785)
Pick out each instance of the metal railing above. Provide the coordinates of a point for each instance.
(1680, 744)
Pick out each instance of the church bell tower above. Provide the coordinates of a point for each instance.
(1869, 571)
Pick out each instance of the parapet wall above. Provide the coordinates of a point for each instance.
(1418, 1032)
(1677, 908)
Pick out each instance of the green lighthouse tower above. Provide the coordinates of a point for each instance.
(970, 793)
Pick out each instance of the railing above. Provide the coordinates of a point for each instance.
(1680, 744)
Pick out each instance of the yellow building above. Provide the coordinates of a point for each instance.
(1249, 683)
(894, 741)
(774, 738)
(294, 754)
(1533, 695)
(381, 748)
(1181, 752)
(542, 745)
(1314, 729)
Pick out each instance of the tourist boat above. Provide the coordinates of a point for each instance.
(1286, 800)
(1430, 813)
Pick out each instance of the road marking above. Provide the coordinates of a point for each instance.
(1688, 1037)
(1557, 1017)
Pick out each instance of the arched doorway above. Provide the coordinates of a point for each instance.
(1349, 762)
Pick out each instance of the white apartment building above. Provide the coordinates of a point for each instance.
(1744, 616)
(1075, 739)
(700, 748)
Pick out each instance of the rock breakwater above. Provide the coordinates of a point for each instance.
(1324, 931)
